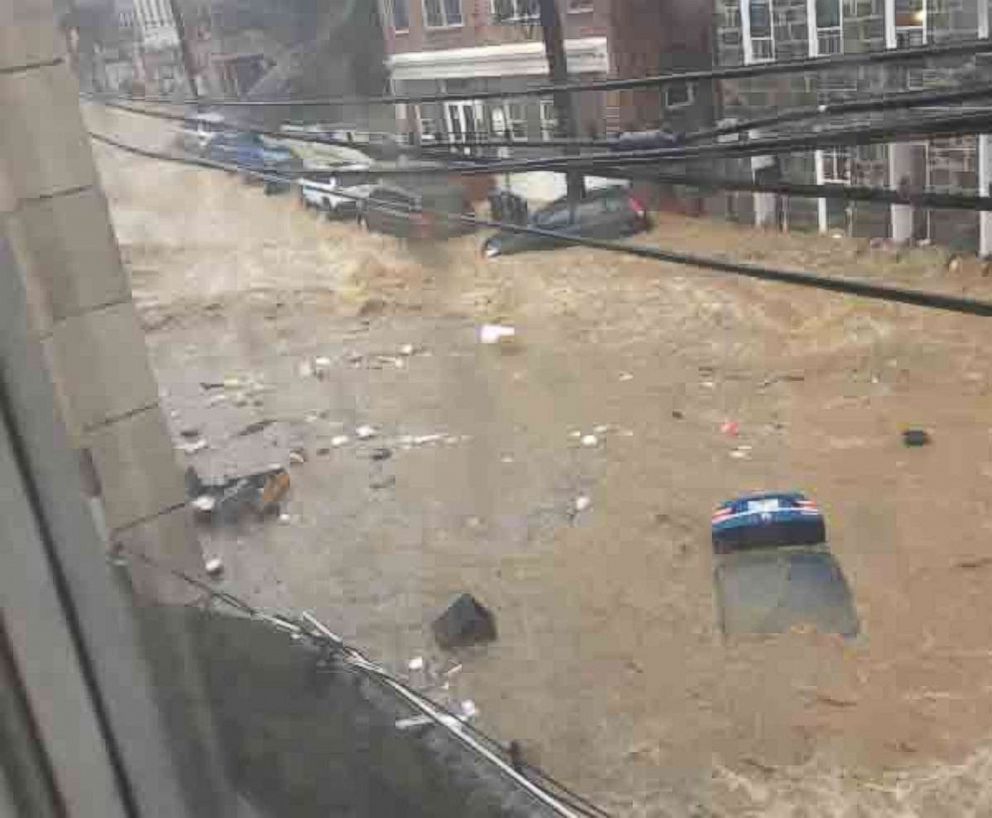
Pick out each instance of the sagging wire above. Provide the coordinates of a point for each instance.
(846, 192)
(307, 626)
(967, 123)
(847, 286)
(959, 48)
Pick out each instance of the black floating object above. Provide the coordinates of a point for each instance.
(915, 437)
(466, 622)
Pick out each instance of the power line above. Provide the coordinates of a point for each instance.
(826, 191)
(970, 122)
(845, 192)
(936, 126)
(887, 102)
(951, 201)
(961, 48)
(846, 286)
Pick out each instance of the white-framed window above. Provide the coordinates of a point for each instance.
(758, 30)
(825, 19)
(907, 23)
(509, 120)
(398, 13)
(426, 123)
(679, 94)
(576, 6)
(549, 119)
(505, 11)
(442, 13)
(835, 166)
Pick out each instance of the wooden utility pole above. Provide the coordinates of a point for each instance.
(189, 65)
(554, 48)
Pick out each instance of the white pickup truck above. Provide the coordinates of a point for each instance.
(322, 191)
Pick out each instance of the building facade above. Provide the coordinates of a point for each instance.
(753, 31)
(438, 46)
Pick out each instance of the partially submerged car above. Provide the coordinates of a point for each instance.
(607, 213)
(417, 210)
(337, 193)
(774, 570)
(252, 153)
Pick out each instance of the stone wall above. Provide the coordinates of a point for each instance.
(952, 164)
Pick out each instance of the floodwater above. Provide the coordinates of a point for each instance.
(610, 668)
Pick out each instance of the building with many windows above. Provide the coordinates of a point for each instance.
(754, 31)
(436, 46)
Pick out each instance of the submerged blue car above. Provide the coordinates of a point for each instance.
(251, 152)
(761, 520)
(774, 570)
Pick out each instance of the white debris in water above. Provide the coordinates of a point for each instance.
(305, 369)
(193, 446)
(365, 432)
(626, 376)
(582, 503)
(339, 440)
(416, 663)
(204, 503)
(469, 710)
(494, 333)
(214, 567)
(407, 349)
(590, 440)
(602, 429)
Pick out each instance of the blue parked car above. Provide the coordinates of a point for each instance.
(774, 570)
(251, 152)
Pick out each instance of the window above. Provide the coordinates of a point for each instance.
(679, 94)
(575, 6)
(399, 14)
(426, 123)
(509, 121)
(549, 119)
(836, 166)
(509, 10)
(826, 21)
(910, 22)
(759, 37)
(442, 13)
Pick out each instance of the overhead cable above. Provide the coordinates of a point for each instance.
(847, 286)
(846, 192)
(969, 122)
(960, 48)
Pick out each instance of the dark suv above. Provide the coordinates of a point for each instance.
(608, 213)
(412, 213)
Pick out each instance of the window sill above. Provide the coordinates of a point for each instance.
(585, 10)
(448, 27)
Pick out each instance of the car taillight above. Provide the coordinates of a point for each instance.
(639, 209)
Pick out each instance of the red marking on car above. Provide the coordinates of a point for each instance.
(639, 210)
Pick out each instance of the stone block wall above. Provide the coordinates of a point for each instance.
(953, 164)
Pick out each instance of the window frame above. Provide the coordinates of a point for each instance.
(816, 30)
(543, 105)
(893, 30)
(829, 158)
(442, 5)
(690, 97)
(391, 15)
(749, 40)
(516, 17)
(585, 7)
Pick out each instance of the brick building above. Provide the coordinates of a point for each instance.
(466, 45)
(751, 31)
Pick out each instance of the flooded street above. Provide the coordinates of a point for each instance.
(610, 667)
